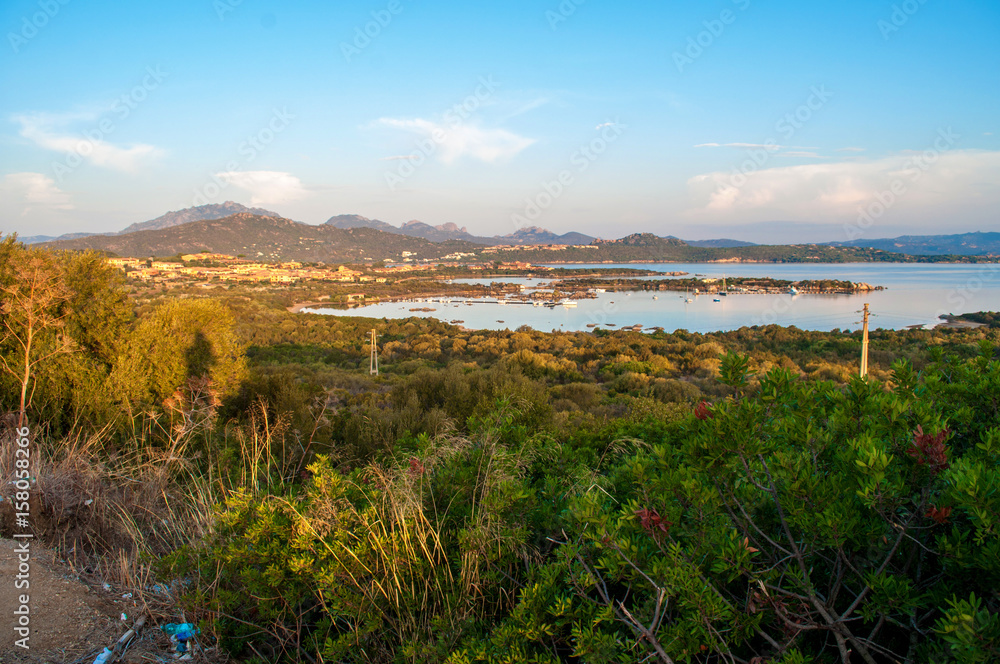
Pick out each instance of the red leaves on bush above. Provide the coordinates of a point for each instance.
(702, 412)
(940, 515)
(928, 449)
(416, 467)
(652, 522)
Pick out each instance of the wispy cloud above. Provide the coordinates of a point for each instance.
(752, 146)
(451, 142)
(850, 149)
(26, 193)
(266, 187)
(401, 157)
(835, 190)
(807, 154)
(527, 106)
(52, 131)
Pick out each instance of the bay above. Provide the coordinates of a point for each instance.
(915, 295)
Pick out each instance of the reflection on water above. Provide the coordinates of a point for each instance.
(915, 295)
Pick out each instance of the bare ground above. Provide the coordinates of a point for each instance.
(72, 617)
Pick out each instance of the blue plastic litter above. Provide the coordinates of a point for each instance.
(104, 657)
(181, 633)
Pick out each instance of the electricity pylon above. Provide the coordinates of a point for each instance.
(864, 343)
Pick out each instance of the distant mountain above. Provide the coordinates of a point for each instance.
(168, 220)
(645, 240)
(266, 238)
(441, 233)
(963, 244)
(346, 221)
(38, 239)
(722, 243)
(450, 231)
(199, 213)
(536, 235)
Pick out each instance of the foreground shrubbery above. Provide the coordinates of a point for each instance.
(793, 521)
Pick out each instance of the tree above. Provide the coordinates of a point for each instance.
(180, 341)
(31, 294)
(97, 311)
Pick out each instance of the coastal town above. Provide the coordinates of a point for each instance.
(223, 268)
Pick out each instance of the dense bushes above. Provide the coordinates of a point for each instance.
(791, 521)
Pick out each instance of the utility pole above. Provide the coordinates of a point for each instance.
(864, 344)
(373, 359)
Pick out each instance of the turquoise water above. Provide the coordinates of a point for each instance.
(915, 295)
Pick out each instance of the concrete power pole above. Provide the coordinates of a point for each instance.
(373, 360)
(864, 344)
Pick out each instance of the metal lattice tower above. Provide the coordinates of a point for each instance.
(864, 344)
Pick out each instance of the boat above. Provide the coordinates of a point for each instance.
(656, 297)
(591, 324)
(724, 289)
(793, 290)
(569, 303)
(716, 300)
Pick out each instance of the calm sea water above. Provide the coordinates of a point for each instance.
(915, 295)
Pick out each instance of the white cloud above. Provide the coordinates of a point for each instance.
(956, 182)
(455, 141)
(26, 193)
(266, 187)
(50, 131)
(850, 149)
(401, 157)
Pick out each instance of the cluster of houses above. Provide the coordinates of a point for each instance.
(536, 247)
(208, 267)
(224, 268)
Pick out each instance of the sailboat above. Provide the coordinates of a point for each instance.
(723, 292)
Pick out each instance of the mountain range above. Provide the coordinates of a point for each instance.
(449, 231)
(964, 244)
(168, 220)
(267, 239)
(275, 239)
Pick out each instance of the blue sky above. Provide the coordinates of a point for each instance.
(772, 122)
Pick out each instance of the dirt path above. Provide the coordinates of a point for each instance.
(69, 621)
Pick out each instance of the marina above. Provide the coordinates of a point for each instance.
(914, 296)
